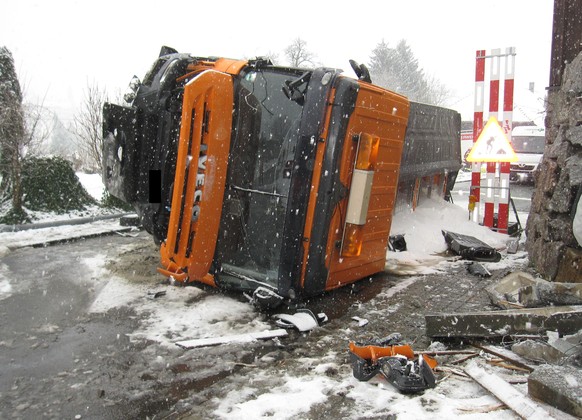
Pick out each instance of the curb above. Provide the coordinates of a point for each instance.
(78, 221)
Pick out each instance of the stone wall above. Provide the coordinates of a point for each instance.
(552, 247)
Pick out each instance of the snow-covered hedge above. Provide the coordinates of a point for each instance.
(50, 184)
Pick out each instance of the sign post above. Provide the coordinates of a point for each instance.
(493, 148)
(495, 164)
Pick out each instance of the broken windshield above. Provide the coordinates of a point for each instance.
(260, 169)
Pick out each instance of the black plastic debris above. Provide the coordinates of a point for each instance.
(408, 376)
(265, 299)
(155, 295)
(470, 248)
(397, 243)
(477, 269)
(397, 363)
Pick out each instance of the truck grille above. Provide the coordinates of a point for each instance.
(522, 167)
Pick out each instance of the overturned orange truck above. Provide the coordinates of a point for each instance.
(272, 180)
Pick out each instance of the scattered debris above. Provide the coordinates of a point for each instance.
(470, 247)
(303, 320)
(361, 321)
(464, 359)
(155, 295)
(505, 293)
(502, 364)
(537, 351)
(389, 340)
(564, 319)
(512, 246)
(446, 352)
(506, 355)
(477, 269)
(558, 386)
(570, 346)
(483, 410)
(239, 338)
(451, 370)
(523, 290)
(397, 243)
(127, 235)
(515, 400)
(265, 298)
(397, 363)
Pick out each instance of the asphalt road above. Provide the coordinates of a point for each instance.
(49, 345)
(521, 194)
(58, 360)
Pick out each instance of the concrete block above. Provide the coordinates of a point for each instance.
(537, 351)
(506, 291)
(564, 319)
(558, 386)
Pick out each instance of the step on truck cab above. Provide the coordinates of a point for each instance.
(260, 178)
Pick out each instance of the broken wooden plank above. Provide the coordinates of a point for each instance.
(564, 319)
(464, 359)
(504, 392)
(479, 410)
(507, 355)
(444, 352)
(502, 364)
(454, 371)
(238, 338)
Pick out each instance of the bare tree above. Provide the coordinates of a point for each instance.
(87, 126)
(273, 56)
(438, 92)
(398, 69)
(297, 54)
(37, 128)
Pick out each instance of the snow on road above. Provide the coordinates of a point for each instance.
(189, 312)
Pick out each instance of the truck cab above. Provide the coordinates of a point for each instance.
(252, 176)
(528, 143)
(276, 181)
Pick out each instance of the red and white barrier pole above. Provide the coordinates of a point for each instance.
(495, 69)
(477, 128)
(503, 216)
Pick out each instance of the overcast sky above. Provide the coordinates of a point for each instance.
(61, 45)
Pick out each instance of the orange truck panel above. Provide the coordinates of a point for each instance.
(384, 114)
(201, 170)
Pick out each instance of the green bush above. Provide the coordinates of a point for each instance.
(50, 184)
(111, 202)
(14, 217)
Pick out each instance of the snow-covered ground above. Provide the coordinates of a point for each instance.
(174, 318)
(425, 247)
(93, 184)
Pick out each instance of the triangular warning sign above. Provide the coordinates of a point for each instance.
(492, 145)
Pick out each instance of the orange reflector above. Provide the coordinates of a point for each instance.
(353, 239)
(367, 152)
(472, 201)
